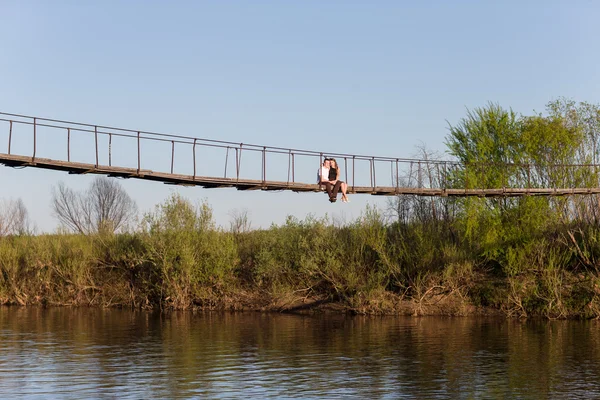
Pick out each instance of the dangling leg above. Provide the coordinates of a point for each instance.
(344, 190)
(329, 189)
(336, 189)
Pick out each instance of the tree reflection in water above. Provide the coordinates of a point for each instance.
(99, 353)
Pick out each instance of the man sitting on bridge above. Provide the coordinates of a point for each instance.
(332, 186)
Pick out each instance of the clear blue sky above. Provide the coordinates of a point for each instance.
(370, 77)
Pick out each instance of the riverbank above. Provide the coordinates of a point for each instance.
(451, 266)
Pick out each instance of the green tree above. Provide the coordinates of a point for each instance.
(484, 142)
(550, 147)
(584, 118)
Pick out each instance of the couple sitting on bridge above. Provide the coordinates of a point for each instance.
(329, 176)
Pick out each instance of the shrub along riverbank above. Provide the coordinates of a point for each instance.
(516, 265)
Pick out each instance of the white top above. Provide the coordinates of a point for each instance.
(322, 172)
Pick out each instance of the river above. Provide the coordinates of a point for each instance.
(106, 353)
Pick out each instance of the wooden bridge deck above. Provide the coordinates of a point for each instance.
(12, 160)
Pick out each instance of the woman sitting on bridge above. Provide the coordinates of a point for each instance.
(334, 175)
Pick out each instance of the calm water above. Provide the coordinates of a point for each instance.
(90, 353)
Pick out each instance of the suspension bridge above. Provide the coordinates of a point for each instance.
(80, 148)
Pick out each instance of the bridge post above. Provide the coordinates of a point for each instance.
(138, 155)
(264, 165)
(172, 154)
(96, 137)
(528, 177)
(289, 165)
(397, 176)
(194, 152)
(226, 161)
(9, 136)
(373, 172)
(319, 174)
(346, 168)
(466, 177)
(353, 171)
(110, 149)
(34, 137)
(238, 159)
(437, 172)
(444, 175)
(69, 144)
(483, 184)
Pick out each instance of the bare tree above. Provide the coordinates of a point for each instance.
(240, 221)
(414, 208)
(14, 218)
(110, 206)
(68, 208)
(104, 207)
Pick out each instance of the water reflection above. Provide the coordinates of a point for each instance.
(94, 353)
